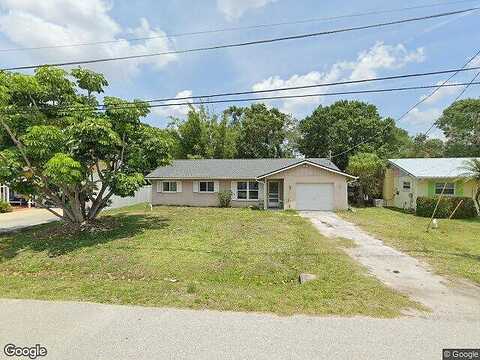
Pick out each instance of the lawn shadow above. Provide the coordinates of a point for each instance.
(57, 240)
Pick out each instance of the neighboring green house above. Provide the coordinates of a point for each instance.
(407, 179)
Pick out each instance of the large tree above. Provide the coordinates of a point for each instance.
(369, 168)
(262, 132)
(56, 145)
(348, 127)
(460, 123)
(203, 135)
(424, 147)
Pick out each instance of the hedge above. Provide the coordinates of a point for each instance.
(426, 206)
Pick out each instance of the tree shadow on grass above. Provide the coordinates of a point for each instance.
(57, 239)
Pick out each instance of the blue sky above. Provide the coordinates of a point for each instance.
(423, 46)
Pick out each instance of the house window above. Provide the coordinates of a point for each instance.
(449, 188)
(247, 190)
(206, 186)
(169, 186)
(407, 185)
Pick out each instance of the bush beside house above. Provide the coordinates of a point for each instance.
(225, 198)
(5, 207)
(426, 206)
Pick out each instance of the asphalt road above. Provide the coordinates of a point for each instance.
(25, 218)
(90, 331)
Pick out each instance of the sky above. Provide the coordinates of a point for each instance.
(430, 45)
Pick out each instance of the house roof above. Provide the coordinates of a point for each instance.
(233, 168)
(433, 167)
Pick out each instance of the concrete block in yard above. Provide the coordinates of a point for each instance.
(303, 278)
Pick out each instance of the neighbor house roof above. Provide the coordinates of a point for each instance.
(433, 167)
(233, 168)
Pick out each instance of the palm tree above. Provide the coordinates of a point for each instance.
(473, 173)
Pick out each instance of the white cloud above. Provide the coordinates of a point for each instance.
(234, 9)
(175, 111)
(382, 56)
(419, 117)
(32, 23)
(367, 65)
(441, 93)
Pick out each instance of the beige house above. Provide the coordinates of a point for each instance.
(407, 179)
(302, 184)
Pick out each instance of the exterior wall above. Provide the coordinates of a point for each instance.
(188, 197)
(308, 174)
(393, 184)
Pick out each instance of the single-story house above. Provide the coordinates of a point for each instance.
(302, 184)
(407, 179)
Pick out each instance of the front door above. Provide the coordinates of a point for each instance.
(273, 194)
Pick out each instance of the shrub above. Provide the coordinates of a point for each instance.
(225, 198)
(5, 207)
(426, 206)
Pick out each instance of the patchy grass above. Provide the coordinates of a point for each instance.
(452, 249)
(225, 259)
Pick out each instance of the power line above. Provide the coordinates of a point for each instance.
(458, 97)
(239, 28)
(248, 43)
(290, 88)
(437, 88)
(281, 97)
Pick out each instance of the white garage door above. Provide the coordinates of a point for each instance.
(314, 196)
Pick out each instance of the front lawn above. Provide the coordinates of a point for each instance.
(452, 249)
(226, 259)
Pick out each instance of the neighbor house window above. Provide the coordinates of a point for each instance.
(206, 186)
(247, 190)
(169, 186)
(449, 188)
(407, 185)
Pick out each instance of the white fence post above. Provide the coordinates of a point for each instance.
(4, 193)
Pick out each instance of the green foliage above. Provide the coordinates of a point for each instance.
(369, 168)
(225, 198)
(262, 132)
(460, 123)
(426, 206)
(75, 160)
(5, 207)
(343, 126)
(423, 147)
(62, 169)
(202, 136)
(472, 168)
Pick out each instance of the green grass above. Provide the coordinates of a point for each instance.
(453, 249)
(225, 259)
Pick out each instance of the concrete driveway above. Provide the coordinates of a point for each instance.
(82, 331)
(25, 218)
(446, 298)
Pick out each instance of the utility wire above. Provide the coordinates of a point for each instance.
(458, 97)
(188, 103)
(289, 88)
(248, 43)
(437, 88)
(238, 28)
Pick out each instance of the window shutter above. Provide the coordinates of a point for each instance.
(431, 188)
(159, 186)
(179, 186)
(459, 188)
(234, 190)
(216, 186)
(195, 186)
(260, 191)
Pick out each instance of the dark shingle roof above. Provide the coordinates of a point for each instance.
(229, 168)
